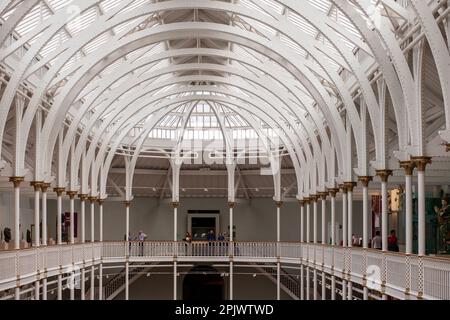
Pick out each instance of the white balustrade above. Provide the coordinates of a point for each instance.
(426, 277)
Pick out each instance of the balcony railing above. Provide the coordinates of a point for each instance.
(395, 274)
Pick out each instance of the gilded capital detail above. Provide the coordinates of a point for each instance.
(45, 186)
(365, 180)
(175, 204)
(333, 192)
(127, 203)
(36, 185)
(421, 162)
(408, 166)
(92, 199)
(231, 205)
(59, 191)
(384, 174)
(16, 181)
(342, 188)
(350, 185)
(279, 204)
(100, 201)
(323, 195)
(71, 194)
(83, 197)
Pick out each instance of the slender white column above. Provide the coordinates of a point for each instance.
(100, 238)
(59, 290)
(37, 205)
(421, 212)
(92, 291)
(333, 193)
(350, 290)
(278, 222)
(278, 281)
(365, 180)
(175, 220)
(315, 219)
(127, 281)
(175, 282)
(344, 217)
(36, 290)
(308, 223)
(333, 288)
(231, 281)
(315, 283)
(302, 220)
(83, 284)
(37, 188)
(17, 237)
(324, 217)
(72, 195)
(17, 293)
(127, 220)
(100, 220)
(384, 216)
(231, 205)
(44, 236)
(83, 198)
(365, 293)
(421, 163)
(324, 286)
(302, 283)
(44, 288)
(344, 289)
(308, 284)
(350, 186)
(59, 192)
(408, 166)
(384, 176)
(100, 281)
(92, 199)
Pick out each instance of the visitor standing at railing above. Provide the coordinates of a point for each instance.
(210, 237)
(377, 241)
(141, 237)
(188, 240)
(393, 242)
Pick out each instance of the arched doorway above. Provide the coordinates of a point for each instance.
(203, 283)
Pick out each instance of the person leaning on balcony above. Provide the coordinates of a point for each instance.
(377, 241)
(141, 237)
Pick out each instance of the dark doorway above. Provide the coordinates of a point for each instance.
(203, 283)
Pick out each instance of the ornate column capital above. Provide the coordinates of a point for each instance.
(343, 188)
(314, 197)
(231, 204)
(100, 201)
(447, 147)
(176, 204)
(421, 162)
(59, 191)
(408, 166)
(16, 181)
(307, 200)
(71, 194)
(302, 202)
(37, 185)
(279, 204)
(384, 174)
(349, 185)
(127, 203)
(83, 197)
(323, 195)
(333, 192)
(45, 186)
(92, 199)
(365, 180)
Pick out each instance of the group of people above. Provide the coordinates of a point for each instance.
(377, 242)
(210, 237)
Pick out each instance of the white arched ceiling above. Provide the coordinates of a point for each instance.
(305, 78)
